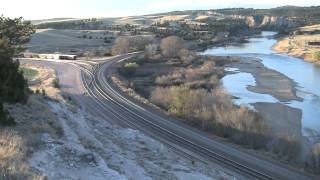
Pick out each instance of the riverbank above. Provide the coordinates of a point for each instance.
(296, 117)
(268, 81)
(284, 121)
(305, 43)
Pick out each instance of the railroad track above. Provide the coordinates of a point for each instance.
(98, 86)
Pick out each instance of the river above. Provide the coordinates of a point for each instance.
(306, 75)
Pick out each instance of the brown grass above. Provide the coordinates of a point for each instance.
(11, 144)
(12, 157)
(17, 143)
(44, 81)
(204, 76)
(313, 159)
(33, 120)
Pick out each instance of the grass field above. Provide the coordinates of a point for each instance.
(67, 41)
(29, 73)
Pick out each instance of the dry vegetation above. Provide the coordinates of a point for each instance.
(33, 119)
(45, 81)
(126, 44)
(187, 86)
(17, 143)
(299, 44)
(171, 46)
(204, 76)
(313, 159)
(212, 111)
(12, 151)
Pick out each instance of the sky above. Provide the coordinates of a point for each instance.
(45, 9)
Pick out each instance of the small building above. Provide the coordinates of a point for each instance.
(50, 56)
(67, 57)
(314, 43)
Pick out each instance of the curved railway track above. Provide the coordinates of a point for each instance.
(180, 138)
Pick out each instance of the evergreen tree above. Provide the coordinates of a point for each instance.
(14, 33)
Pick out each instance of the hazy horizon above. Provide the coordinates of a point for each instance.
(48, 9)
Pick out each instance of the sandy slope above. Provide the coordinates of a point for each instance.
(92, 148)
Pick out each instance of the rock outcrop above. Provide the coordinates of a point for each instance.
(275, 22)
(270, 22)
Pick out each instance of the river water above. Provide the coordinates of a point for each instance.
(306, 75)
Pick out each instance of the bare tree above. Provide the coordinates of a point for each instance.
(125, 44)
(151, 50)
(121, 46)
(187, 56)
(171, 46)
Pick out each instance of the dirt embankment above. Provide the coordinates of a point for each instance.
(56, 139)
(33, 119)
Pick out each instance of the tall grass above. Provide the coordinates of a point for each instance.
(12, 153)
(316, 55)
(29, 73)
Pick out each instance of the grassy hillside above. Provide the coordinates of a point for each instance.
(308, 15)
(69, 41)
(289, 11)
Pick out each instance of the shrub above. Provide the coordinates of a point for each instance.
(317, 55)
(56, 83)
(313, 159)
(128, 69)
(14, 87)
(126, 44)
(170, 79)
(151, 50)
(43, 92)
(212, 111)
(204, 76)
(285, 145)
(5, 119)
(187, 56)
(171, 46)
